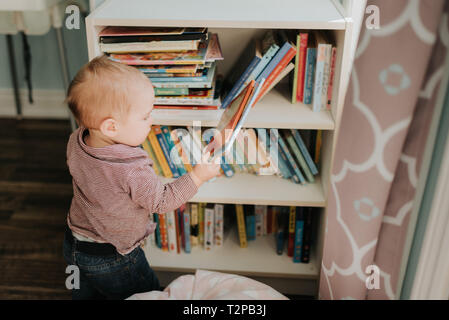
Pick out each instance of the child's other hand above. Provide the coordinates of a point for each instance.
(205, 170)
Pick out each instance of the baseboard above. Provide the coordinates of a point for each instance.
(47, 104)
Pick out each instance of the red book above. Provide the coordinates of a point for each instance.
(163, 230)
(331, 78)
(273, 75)
(291, 231)
(301, 66)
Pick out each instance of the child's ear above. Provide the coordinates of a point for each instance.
(109, 128)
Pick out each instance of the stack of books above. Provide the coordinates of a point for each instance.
(205, 226)
(180, 62)
(291, 227)
(260, 151)
(192, 225)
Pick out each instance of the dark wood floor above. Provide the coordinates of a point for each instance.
(35, 194)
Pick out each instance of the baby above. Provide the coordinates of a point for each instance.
(115, 188)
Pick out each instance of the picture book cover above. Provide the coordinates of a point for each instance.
(139, 31)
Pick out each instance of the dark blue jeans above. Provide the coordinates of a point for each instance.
(110, 276)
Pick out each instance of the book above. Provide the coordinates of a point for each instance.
(307, 238)
(203, 77)
(171, 231)
(125, 38)
(291, 231)
(326, 76)
(295, 74)
(241, 228)
(186, 228)
(186, 107)
(298, 155)
(318, 146)
(275, 213)
(276, 65)
(280, 76)
(209, 213)
(201, 208)
(227, 169)
(269, 219)
(140, 31)
(169, 69)
(164, 146)
(157, 231)
(206, 99)
(183, 155)
(178, 230)
(150, 46)
(159, 155)
(264, 145)
(218, 225)
(259, 211)
(331, 78)
(298, 234)
(147, 147)
(320, 71)
(250, 222)
(240, 72)
(309, 75)
(304, 151)
(281, 229)
(173, 151)
(255, 153)
(188, 146)
(277, 154)
(180, 213)
(163, 231)
(213, 52)
(171, 91)
(194, 224)
(304, 36)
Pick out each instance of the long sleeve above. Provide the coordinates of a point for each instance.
(147, 190)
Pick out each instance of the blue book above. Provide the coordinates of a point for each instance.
(186, 224)
(207, 76)
(173, 152)
(307, 235)
(299, 234)
(157, 232)
(309, 75)
(239, 84)
(274, 48)
(281, 162)
(164, 146)
(275, 61)
(250, 222)
(304, 151)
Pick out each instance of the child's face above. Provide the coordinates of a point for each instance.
(135, 129)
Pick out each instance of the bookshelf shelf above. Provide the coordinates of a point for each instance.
(258, 259)
(273, 111)
(246, 188)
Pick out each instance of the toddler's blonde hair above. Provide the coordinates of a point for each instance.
(101, 89)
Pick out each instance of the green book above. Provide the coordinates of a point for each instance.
(149, 149)
(171, 91)
(298, 155)
(295, 75)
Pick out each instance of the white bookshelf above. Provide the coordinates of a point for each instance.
(236, 23)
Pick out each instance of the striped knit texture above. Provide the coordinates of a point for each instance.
(115, 189)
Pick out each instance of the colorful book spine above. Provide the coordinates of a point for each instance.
(178, 231)
(291, 231)
(147, 147)
(309, 75)
(263, 145)
(186, 228)
(172, 151)
(171, 91)
(194, 224)
(159, 155)
(171, 231)
(291, 161)
(274, 217)
(307, 238)
(163, 230)
(299, 233)
(283, 62)
(319, 77)
(259, 220)
(180, 213)
(302, 147)
(326, 76)
(275, 153)
(261, 65)
(318, 146)
(218, 225)
(295, 74)
(250, 222)
(201, 207)
(281, 230)
(157, 231)
(302, 66)
(331, 78)
(298, 156)
(241, 225)
(164, 146)
(230, 96)
(209, 213)
(182, 150)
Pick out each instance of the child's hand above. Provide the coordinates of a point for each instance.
(205, 170)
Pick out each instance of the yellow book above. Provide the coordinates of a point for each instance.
(147, 147)
(159, 155)
(241, 225)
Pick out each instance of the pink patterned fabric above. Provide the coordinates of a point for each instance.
(115, 189)
(385, 124)
(209, 285)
